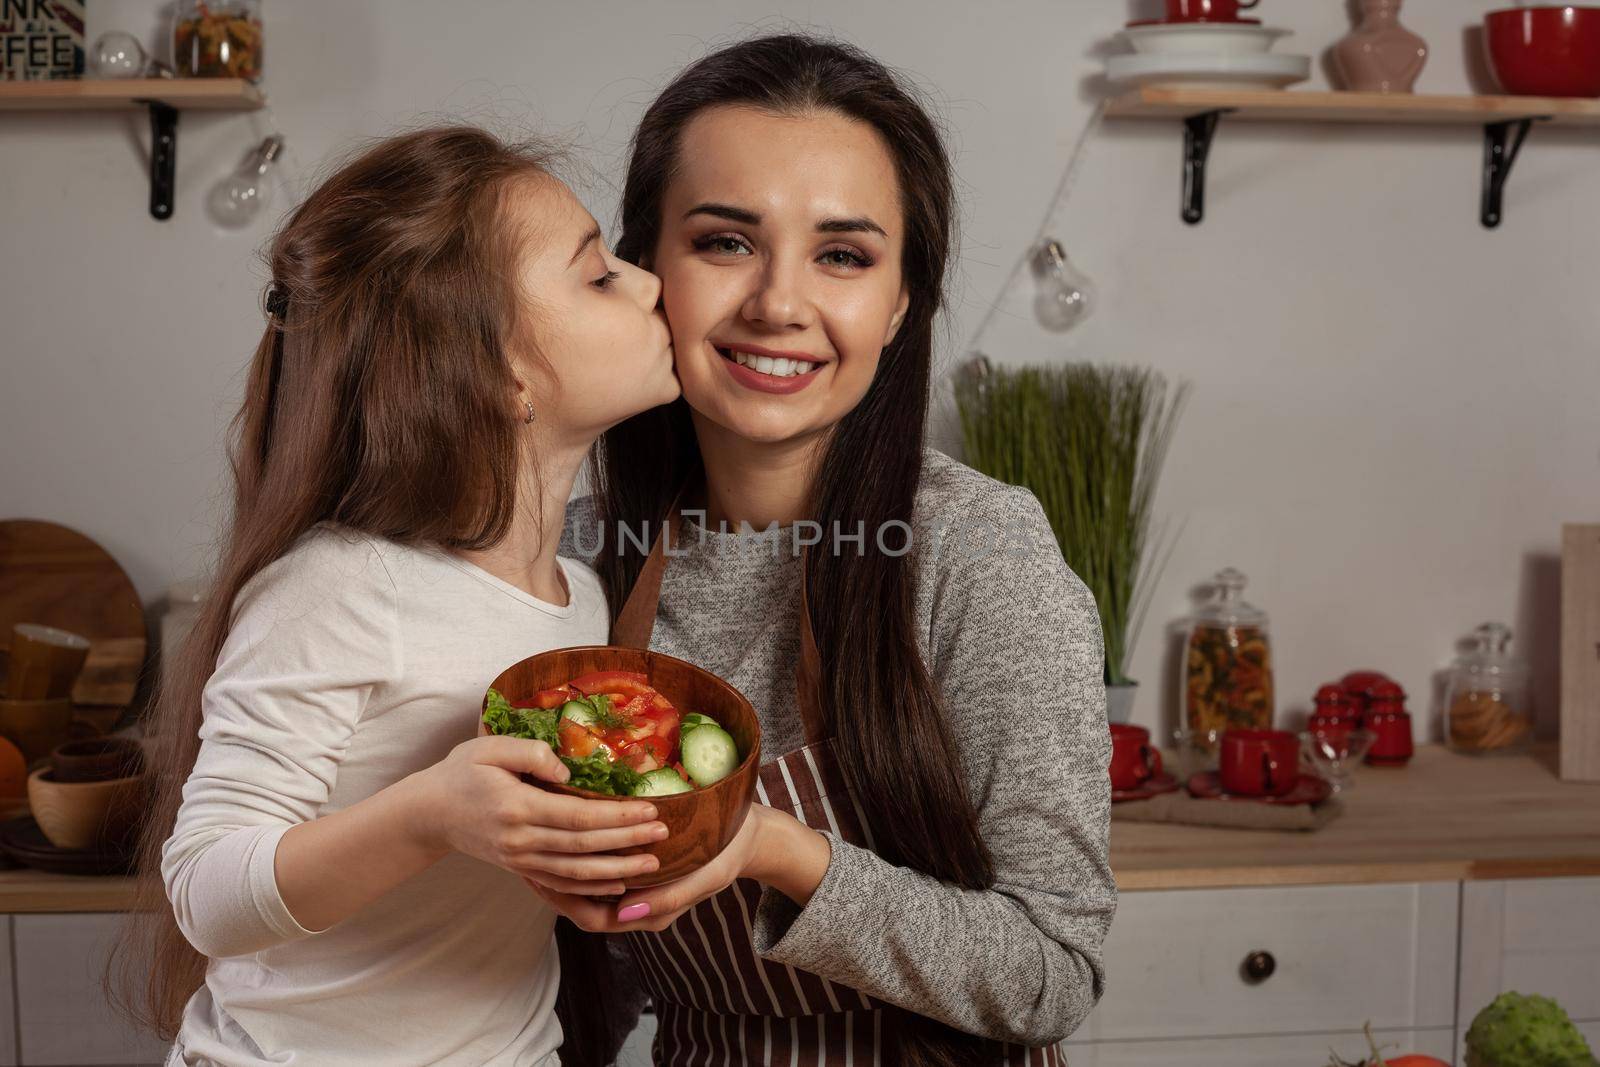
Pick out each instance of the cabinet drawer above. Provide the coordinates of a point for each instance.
(1341, 956)
(1536, 935)
(62, 1013)
(1256, 1051)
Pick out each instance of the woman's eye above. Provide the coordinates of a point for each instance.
(845, 257)
(722, 244)
(605, 280)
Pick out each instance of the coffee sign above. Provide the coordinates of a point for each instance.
(41, 39)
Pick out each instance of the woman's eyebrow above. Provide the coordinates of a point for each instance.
(859, 224)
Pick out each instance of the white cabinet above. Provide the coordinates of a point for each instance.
(1533, 936)
(62, 1016)
(1339, 956)
(1292, 1050)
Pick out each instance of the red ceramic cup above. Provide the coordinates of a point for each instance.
(1545, 51)
(1258, 763)
(1391, 732)
(1207, 10)
(1133, 761)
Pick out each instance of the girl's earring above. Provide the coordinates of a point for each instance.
(528, 418)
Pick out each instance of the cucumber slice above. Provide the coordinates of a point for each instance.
(694, 719)
(661, 783)
(709, 754)
(579, 712)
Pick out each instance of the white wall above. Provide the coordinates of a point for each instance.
(1393, 410)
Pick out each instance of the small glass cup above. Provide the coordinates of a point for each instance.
(1196, 751)
(1332, 752)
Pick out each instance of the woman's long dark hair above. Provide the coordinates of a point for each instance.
(380, 397)
(872, 664)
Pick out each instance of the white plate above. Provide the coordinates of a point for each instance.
(1208, 72)
(1209, 38)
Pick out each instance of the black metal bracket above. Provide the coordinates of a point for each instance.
(163, 157)
(1500, 150)
(1198, 130)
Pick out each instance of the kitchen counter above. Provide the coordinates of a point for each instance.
(1442, 818)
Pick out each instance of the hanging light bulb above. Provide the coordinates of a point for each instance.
(1066, 295)
(236, 200)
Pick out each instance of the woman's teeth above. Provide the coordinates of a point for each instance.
(779, 367)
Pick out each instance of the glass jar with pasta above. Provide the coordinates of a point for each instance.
(1227, 679)
(1486, 708)
(217, 39)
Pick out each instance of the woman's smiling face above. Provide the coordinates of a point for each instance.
(779, 257)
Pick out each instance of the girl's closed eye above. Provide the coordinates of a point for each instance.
(605, 280)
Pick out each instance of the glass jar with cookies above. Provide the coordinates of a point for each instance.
(1486, 707)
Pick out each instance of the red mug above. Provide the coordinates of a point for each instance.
(1260, 762)
(1391, 730)
(1133, 761)
(1207, 10)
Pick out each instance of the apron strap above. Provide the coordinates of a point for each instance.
(635, 623)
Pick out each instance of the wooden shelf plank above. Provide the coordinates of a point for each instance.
(1274, 105)
(1442, 818)
(87, 94)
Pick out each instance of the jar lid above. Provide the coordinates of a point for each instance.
(1361, 681)
(1226, 607)
(1332, 693)
(1489, 650)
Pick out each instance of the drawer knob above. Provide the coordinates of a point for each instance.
(1258, 966)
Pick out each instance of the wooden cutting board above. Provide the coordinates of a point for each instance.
(57, 576)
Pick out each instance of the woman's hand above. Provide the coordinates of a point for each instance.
(771, 847)
(473, 802)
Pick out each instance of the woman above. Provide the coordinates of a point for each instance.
(925, 881)
(339, 856)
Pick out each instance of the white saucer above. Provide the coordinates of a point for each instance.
(1207, 72)
(1203, 38)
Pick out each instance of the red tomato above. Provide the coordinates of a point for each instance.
(546, 698)
(646, 754)
(618, 683)
(576, 741)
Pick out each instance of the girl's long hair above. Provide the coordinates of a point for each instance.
(878, 697)
(381, 397)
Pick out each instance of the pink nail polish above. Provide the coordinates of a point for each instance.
(632, 912)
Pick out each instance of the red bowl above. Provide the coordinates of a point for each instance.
(1545, 51)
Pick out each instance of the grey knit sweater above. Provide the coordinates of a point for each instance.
(1004, 624)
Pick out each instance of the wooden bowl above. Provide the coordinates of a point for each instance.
(97, 759)
(36, 726)
(700, 823)
(85, 815)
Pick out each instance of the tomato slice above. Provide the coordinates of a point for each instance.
(577, 741)
(646, 754)
(625, 683)
(546, 698)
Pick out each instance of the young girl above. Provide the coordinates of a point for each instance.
(925, 881)
(447, 337)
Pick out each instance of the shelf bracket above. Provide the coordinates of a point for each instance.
(1198, 130)
(163, 157)
(1500, 148)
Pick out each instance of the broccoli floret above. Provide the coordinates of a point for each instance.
(1526, 1031)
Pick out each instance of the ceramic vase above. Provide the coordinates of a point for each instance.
(1380, 55)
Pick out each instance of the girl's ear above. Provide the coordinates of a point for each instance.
(899, 315)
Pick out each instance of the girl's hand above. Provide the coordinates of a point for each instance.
(472, 802)
(771, 847)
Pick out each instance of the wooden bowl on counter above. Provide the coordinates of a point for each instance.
(700, 823)
(86, 815)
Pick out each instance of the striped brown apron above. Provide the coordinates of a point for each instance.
(717, 1003)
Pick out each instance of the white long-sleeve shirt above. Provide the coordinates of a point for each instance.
(351, 663)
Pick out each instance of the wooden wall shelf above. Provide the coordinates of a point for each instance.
(162, 97)
(1505, 121)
